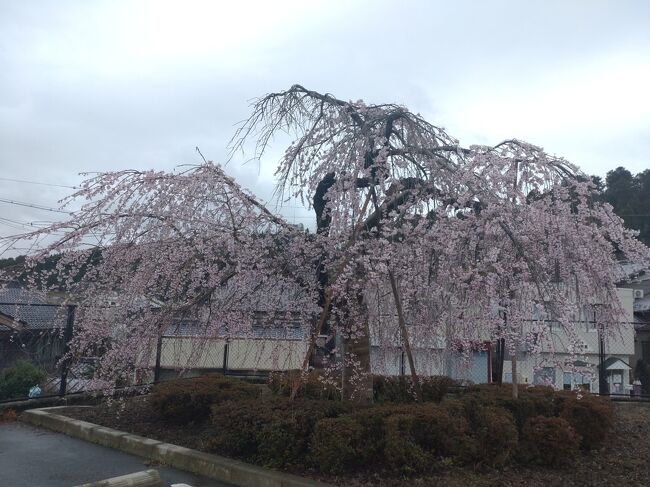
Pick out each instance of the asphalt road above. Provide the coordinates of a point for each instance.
(33, 457)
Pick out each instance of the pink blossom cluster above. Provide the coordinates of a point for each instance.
(482, 243)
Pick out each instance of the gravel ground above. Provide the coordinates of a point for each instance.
(624, 461)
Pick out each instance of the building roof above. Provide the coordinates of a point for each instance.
(641, 323)
(635, 272)
(615, 363)
(27, 308)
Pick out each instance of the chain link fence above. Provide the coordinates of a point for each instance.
(602, 365)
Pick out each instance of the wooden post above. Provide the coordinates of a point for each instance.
(405, 337)
(67, 338)
(225, 358)
(156, 370)
(515, 386)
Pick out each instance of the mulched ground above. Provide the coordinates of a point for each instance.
(625, 461)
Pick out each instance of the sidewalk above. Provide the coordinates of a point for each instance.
(32, 457)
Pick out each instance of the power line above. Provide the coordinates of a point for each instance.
(35, 206)
(25, 181)
(36, 224)
(4, 221)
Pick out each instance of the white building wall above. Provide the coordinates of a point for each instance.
(285, 354)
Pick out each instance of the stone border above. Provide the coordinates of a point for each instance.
(146, 478)
(213, 466)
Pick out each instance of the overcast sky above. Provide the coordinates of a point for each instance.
(96, 86)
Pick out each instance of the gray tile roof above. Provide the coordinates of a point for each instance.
(15, 302)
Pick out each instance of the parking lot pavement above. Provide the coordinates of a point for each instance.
(33, 457)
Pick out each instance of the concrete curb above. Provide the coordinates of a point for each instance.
(213, 466)
(147, 478)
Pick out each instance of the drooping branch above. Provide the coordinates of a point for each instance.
(405, 335)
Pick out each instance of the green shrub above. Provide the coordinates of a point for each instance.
(280, 442)
(482, 426)
(592, 417)
(417, 440)
(529, 405)
(399, 389)
(409, 438)
(373, 432)
(188, 400)
(313, 386)
(497, 437)
(16, 381)
(437, 431)
(285, 439)
(549, 442)
(532, 401)
(402, 452)
(272, 430)
(493, 435)
(391, 389)
(489, 390)
(434, 388)
(539, 390)
(337, 445)
(239, 425)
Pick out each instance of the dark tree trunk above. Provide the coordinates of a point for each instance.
(356, 369)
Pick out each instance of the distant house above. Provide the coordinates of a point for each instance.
(30, 328)
(583, 373)
(276, 346)
(640, 286)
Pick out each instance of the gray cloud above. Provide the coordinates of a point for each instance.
(94, 86)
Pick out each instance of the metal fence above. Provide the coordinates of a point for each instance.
(253, 356)
(602, 367)
(47, 348)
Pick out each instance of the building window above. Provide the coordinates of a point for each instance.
(581, 381)
(544, 376)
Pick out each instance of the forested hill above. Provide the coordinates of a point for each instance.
(630, 196)
(13, 269)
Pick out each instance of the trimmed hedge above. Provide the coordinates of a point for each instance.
(481, 426)
(592, 417)
(493, 434)
(338, 445)
(415, 441)
(183, 401)
(313, 386)
(273, 431)
(399, 389)
(549, 442)
(386, 389)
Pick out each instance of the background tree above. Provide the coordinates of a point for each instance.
(630, 196)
